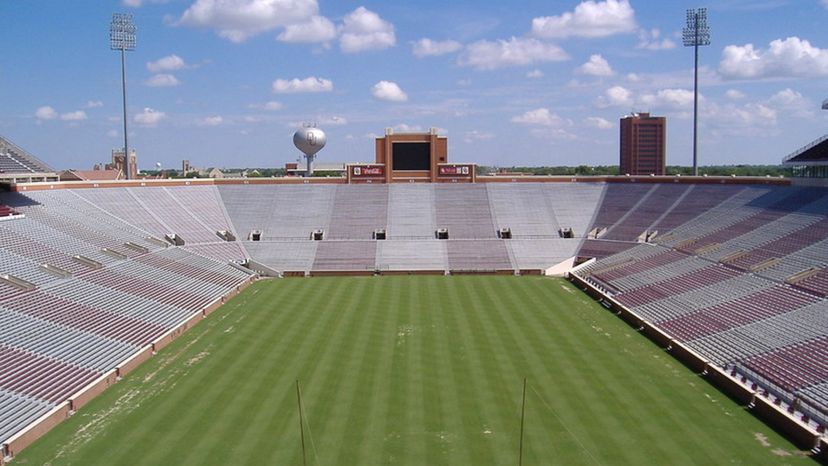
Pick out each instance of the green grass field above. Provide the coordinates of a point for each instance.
(415, 371)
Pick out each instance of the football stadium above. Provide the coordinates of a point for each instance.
(407, 315)
(411, 309)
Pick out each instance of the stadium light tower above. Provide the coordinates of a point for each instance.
(122, 37)
(696, 33)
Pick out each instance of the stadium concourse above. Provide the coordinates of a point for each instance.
(95, 280)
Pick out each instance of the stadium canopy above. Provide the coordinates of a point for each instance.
(810, 161)
(18, 165)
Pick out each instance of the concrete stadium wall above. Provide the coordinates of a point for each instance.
(413, 272)
(35, 430)
(745, 180)
(134, 361)
(482, 272)
(87, 393)
(45, 423)
(341, 273)
(802, 435)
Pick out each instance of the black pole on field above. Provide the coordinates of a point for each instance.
(522, 417)
(301, 423)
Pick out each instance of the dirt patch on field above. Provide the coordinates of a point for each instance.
(198, 357)
(97, 423)
(762, 439)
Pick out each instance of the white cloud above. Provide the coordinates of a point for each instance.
(792, 102)
(475, 135)
(388, 90)
(45, 113)
(271, 105)
(162, 80)
(139, 3)
(788, 58)
(149, 117)
(168, 63)
(324, 120)
(534, 74)
(538, 117)
(596, 66)
(590, 19)
(672, 98)
(405, 128)
(363, 30)
(825, 3)
(616, 96)
(652, 40)
(213, 120)
(734, 94)
(488, 55)
(430, 48)
(787, 97)
(112, 133)
(77, 115)
(332, 120)
(238, 20)
(296, 85)
(94, 104)
(753, 118)
(316, 29)
(600, 123)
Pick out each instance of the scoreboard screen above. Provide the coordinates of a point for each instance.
(411, 155)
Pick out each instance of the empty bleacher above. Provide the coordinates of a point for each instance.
(719, 284)
(14, 159)
(100, 288)
(411, 212)
(698, 280)
(357, 211)
(465, 211)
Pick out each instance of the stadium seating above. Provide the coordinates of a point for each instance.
(13, 159)
(738, 273)
(410, 214)
(725, 284)
(82, 318)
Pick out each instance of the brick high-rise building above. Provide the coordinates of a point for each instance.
(643, 145)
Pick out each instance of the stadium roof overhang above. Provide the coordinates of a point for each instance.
(815, 154)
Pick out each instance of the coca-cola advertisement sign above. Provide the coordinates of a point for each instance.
(365, 171)
(454, 170)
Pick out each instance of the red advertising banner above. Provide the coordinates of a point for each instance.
(454, 170)
(367, 170)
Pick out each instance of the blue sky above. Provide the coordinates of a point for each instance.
(226, 82)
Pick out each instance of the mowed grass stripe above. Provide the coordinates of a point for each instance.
(469, 379)
(545, 435)
(411, 370)
(495, 396)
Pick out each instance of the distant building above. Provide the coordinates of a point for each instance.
(299, 168)
(118, 163)
(211, 172)
(643, 145)
(91, 175)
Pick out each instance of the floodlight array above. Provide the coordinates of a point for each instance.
(122, 32)
(696, 32)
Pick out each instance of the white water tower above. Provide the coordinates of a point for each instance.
(310, 140)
